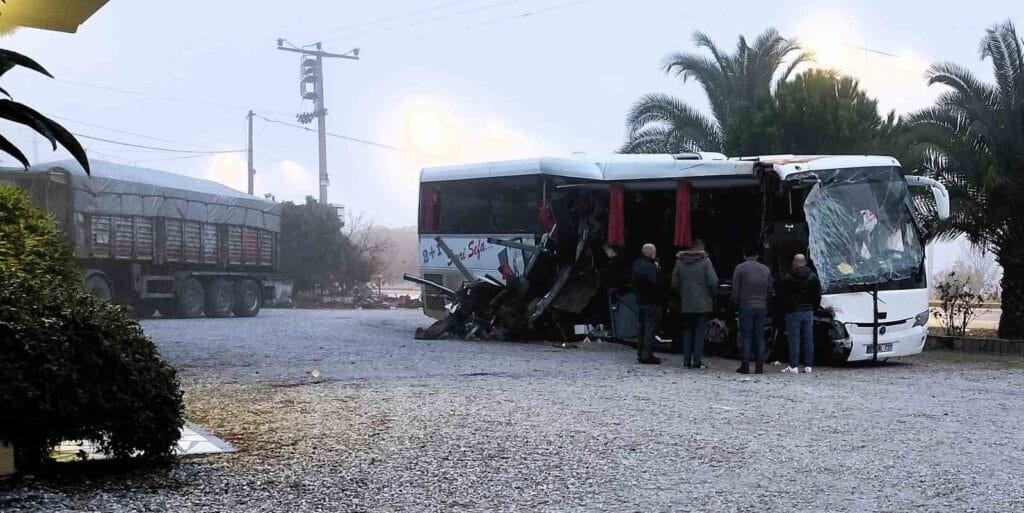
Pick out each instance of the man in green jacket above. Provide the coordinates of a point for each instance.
(695, 280)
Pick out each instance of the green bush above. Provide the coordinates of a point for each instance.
(72, 367)
(960, 305)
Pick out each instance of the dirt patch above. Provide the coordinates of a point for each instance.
(270, 422)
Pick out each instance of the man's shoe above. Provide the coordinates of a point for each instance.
(687, 364)
(791, 370)
(699, 366)
(807, 369)
(744, 368)
(650, 360)
(759, 368)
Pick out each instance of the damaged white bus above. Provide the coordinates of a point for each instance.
(560, 234)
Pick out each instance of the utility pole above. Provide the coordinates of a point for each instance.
(311, 73)
(252, 170)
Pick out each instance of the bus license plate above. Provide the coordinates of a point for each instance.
(882, 348)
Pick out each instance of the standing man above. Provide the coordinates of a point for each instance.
(751, 285)
(648, 301)
(801, 292)
(695, 280)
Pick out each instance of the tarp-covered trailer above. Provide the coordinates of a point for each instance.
(155, 240)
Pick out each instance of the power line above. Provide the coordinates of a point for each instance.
(170, 150)
(339, 136)
(200, 156)
(406, 14)
(535, 13)
(108, 156)
(434, 20)
(125, 132)
(223, 106)
(479, 23)
(464, 11)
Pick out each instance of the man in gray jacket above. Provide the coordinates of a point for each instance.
(751, 285)
(695, 280)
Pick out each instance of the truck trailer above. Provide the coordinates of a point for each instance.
(158, 241)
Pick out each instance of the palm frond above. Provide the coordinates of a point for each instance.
(665, 111)
(1002, 45)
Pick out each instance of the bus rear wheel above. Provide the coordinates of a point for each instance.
(248, 298)
(219, 299)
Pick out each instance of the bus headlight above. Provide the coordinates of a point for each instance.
(921, 319)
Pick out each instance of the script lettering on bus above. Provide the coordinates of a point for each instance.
(475, 248)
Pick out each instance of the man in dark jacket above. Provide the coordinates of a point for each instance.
(648, 301)
(801, 293)
(695, 280)
(751, 286)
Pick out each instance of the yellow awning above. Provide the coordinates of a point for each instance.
(60, 15)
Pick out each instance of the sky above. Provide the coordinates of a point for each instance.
(438, 81)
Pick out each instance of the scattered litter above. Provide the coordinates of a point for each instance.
(194, 441)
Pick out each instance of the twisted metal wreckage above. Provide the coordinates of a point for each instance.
(549, 299)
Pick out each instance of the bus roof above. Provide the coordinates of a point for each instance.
(596, 168)
(621, 167)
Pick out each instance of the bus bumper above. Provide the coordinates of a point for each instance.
(892, 343)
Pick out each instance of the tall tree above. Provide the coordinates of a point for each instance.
(820, 112)
(312, 244)
(734, 84)
(318, 255)
(973, 140)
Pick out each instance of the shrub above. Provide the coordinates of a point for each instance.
(72, 367)
(959, 304)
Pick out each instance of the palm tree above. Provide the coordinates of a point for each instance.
(660, 123)
(24, 115)
(973, 140)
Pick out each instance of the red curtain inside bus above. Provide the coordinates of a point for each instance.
(616, 224)
(683, 234)
(428, 208)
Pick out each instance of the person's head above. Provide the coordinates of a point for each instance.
(750, 252)
(698, 245)
(799, 260)
(649, 251)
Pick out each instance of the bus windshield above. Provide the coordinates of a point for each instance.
(862, 230)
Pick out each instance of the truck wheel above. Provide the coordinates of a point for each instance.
(219, 299)
(248, 298)
(97, 285)
(190, 299)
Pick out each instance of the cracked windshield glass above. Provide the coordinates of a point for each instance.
(863, 230)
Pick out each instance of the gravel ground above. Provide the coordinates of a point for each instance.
(394, 424)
